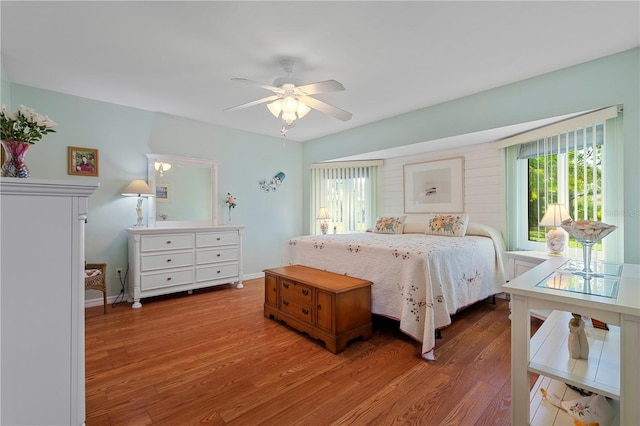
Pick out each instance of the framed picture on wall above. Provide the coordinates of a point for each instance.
(434, 186)
(163, 192)
(82, 161)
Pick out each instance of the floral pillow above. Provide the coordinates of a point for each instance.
(389, 225)
(447, 225)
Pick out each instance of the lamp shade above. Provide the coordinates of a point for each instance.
(323, 213)
(138, 188)
(555, 215)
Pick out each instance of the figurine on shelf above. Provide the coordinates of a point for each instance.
(578, 344)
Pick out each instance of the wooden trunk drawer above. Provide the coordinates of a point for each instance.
(301, 311)
(166, 279)
(212, 239)
(294, 291)
(166, 242)
(149, 262)
(216, 255)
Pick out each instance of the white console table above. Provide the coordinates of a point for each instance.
(169, 260)
(550, 358)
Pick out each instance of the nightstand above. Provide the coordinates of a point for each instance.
(519, 262)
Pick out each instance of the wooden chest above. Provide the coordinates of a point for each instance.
(330, 307)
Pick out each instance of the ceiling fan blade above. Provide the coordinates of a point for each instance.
(250, 104)
(321, 87)
(256, 83)
(326, 108)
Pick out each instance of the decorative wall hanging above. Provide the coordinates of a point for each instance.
(434, 186)
(83, 161)
(275, 182)
(163, 192)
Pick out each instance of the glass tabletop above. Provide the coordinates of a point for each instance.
(599, 268)
(606, 286)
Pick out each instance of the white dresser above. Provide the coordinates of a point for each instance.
(42, 301)
(169, 260)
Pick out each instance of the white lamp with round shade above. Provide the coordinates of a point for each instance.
(556, 237)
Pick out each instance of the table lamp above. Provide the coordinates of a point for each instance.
(323, 215)
(556, 237)
(138, 188)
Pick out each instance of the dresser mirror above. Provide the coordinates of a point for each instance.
(186, 190)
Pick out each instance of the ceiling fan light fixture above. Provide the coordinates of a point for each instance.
(275, 108)
(288, 117)
(302, 109)
(289, 105)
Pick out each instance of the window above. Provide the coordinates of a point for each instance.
(573, 163)
(349, 192)
(565, 168)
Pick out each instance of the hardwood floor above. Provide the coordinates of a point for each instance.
(212, 357)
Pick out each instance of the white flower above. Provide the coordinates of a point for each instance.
(24, 125)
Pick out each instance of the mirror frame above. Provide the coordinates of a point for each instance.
(174, 159)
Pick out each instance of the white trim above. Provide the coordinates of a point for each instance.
(587, 117)
(334, 164)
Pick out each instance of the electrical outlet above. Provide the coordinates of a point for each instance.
(119, 273)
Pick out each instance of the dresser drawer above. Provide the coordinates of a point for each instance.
(216, 255)
(291, 290)
(301, 311)
(166, 242)
(150, 262)
(212, 239)
(166, 279)
(216, 272)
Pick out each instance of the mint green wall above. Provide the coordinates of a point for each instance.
(123, 135)
(603, 82)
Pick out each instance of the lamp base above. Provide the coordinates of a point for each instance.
(324, 227)
(556, 242)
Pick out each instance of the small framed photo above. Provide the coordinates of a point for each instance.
(83, 161)
(163, 192)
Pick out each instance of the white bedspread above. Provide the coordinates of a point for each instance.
(420, 280)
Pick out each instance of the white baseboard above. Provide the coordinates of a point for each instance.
(90, 303)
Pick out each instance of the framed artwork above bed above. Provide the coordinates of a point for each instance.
(434, 186)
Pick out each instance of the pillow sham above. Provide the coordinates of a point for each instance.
(389, 225)
(447, 225)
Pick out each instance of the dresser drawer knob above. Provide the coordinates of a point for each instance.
(285, 285)
(319, 307)
(285, 303)
(168, 278)
(168, 260)
(218, 254)
(305, 292)
(169, 242)
(218, 239)
(219, 271)
(305, 311)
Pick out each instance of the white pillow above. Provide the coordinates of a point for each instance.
(447, 225)
(389, 225)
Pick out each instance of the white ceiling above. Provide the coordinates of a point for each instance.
(393, 57)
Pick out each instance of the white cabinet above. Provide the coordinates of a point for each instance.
(42, 301)
(519, 262)
(612, 369)
(169, 260)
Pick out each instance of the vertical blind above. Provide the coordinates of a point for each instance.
(349, 191)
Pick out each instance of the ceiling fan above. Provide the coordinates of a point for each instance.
(291, 99)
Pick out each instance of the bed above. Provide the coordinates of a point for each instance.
(419, 280)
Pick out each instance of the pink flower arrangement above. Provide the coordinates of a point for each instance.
(231, 201)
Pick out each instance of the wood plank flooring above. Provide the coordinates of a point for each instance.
(212, 357)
